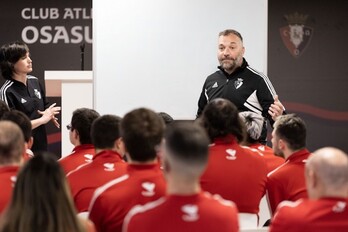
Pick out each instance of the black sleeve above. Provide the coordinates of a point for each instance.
(202, 102)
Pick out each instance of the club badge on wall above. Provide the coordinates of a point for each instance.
(296, 35)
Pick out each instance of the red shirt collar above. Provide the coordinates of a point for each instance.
(228, 139)
(299, 156)
(83, 147)
(108, 153)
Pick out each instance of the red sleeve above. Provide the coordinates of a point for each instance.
(96, 214)
(274, 194)
(285, 220)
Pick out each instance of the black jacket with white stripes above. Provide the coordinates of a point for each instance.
(29, 99)
(247, 88)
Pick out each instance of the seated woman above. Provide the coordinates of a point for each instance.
(41, 200)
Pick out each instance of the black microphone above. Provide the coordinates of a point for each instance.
(82, 48)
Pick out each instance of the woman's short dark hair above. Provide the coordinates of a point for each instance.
(9, 55)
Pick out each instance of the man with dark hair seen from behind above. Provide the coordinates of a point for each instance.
(11, 151)
(232, 166)
(80, 137)
(186, 207)
(3, 108)
(107, 163)
(142, 133)
(327, 185)
(24, 123)
(287, 182)
(236, 81)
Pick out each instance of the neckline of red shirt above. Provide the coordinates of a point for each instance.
(140, 167)
(83, 147)
(228, 139)
(298, 155)
(108, 153)
(7, 168)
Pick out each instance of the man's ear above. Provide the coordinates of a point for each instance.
(119, 146)
(282, 144)
(312, 179)
(165, 165)
(76, 135)
(30, 142)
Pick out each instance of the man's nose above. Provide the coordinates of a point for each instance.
(226, 52)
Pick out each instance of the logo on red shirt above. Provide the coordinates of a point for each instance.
(190, 213)
(149, 188)
(231, 154)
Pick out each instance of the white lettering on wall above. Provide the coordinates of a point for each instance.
(77, 13)
(57, 34)
(40, 13)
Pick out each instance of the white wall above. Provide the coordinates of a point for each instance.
(157, 53)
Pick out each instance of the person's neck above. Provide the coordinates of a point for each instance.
(11, 163)
(182, 186)
(21, 78)
(288, 152)
(135, 162)
(98, 150)
(328, 193)
(229, 72)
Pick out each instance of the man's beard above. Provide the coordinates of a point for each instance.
(231, 65)
(278, 152)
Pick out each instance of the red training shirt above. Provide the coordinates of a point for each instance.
(8, 176)
(80, 155)
(287, 182)
(111, 202)
(83, 181)
(324, 215)
(236, 173)
(198, 212)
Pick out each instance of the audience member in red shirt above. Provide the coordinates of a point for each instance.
(326, 210)
(11, 151)
(23, 121)
(186, 207)
(234, 172)
(287, 182)
(80, 137)
(41, 200)
(107, 163)
(254, 124)
(142, 133)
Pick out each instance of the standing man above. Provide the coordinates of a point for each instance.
(80, 137)
(287, 182)
(326, 209)
(236, 81)
(186, 207)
